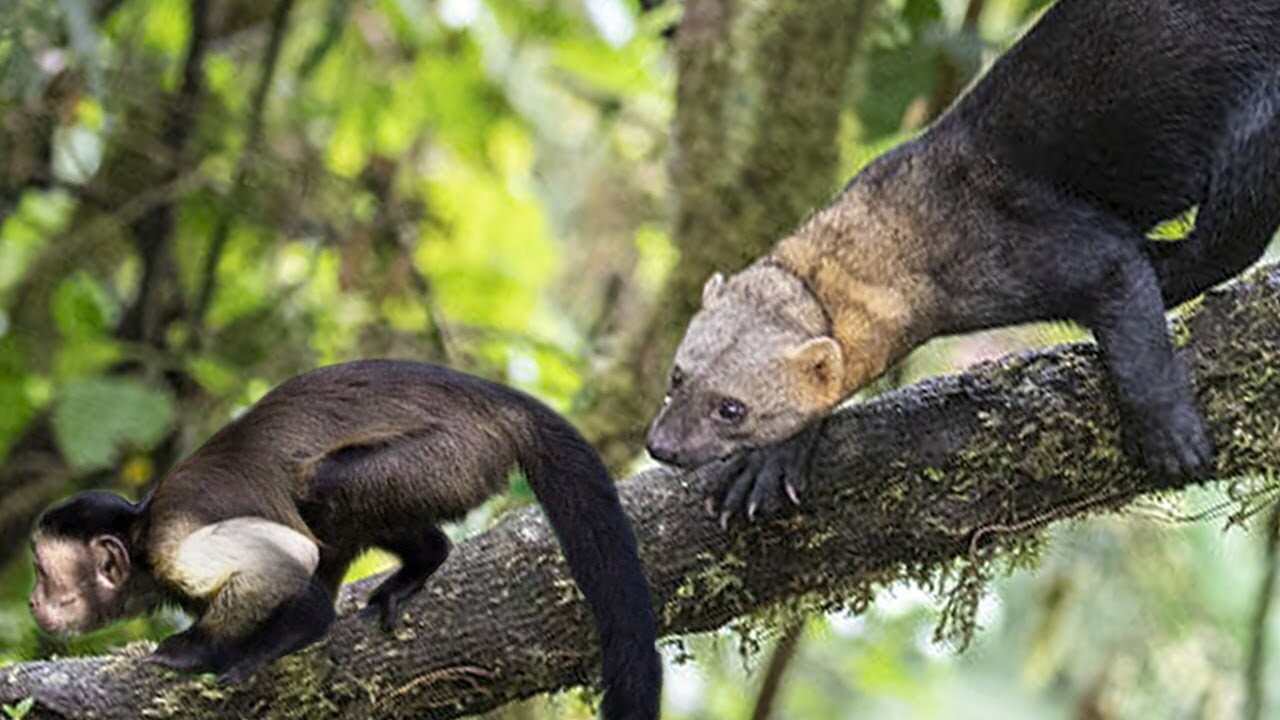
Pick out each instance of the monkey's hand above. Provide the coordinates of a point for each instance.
(187, 651)
(761, 481)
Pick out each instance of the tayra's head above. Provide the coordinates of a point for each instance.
(83, 563)
(755, 366)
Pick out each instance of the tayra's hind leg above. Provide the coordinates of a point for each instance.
(420, 556)
(1241, 211)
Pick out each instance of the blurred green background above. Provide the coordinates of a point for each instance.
(199, 199)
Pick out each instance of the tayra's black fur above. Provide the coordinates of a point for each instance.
(1108, 117)
(1030, 199)
(370, 453)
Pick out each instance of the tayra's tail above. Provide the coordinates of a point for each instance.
(579, 498)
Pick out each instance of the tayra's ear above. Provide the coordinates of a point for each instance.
(712, 288)
(819, 363)
(111, 560)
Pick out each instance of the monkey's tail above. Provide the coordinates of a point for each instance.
(581, 502)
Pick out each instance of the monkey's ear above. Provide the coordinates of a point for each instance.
(819, 362)
(712, 288)
(111, 560)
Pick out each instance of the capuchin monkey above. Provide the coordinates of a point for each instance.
(254, 532)
(1030, 199)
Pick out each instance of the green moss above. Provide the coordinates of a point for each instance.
(719, 581)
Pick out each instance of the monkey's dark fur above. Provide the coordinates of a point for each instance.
(370, 453)
(1030, 199)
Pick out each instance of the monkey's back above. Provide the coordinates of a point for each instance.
(368, 444)
(1122, 102)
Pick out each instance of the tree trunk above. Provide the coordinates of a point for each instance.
(901, 487)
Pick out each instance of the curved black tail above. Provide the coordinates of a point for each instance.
(579, 498)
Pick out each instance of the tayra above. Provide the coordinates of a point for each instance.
(255, 530)
(1030, 199)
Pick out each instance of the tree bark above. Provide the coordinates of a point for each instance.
(758, 105)
(902, 486)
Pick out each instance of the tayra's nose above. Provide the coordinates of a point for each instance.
(661, 449)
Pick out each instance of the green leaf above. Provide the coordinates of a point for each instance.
(80, 307)
(19, 711)
(95, 419)
(1175, 228)
(919, 13)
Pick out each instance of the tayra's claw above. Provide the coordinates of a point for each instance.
(792, 494)
(754, 481)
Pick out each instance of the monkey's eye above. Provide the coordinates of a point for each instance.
(731, 411)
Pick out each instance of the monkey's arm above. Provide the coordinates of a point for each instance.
(903, 485)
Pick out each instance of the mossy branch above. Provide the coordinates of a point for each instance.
(903, 486)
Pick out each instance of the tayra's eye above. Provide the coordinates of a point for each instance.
(731, 411)
(677, 378)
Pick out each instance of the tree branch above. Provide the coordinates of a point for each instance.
(902, 485)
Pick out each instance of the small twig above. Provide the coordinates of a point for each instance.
(470, 673)
(605, 317)
(950, 76)
(1235, 510)
(335, 22)
(783, 653)
(253, 139)
(1255, 688)
(1044, 518)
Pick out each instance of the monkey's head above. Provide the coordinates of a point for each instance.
(755, 366)
(83, 563)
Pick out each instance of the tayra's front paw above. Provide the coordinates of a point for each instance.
(1177, 447)
(761, 481)
(187, 651)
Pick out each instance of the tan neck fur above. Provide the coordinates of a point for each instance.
(873, 292)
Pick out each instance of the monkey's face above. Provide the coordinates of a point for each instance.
(748, 373)
(79, 583)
